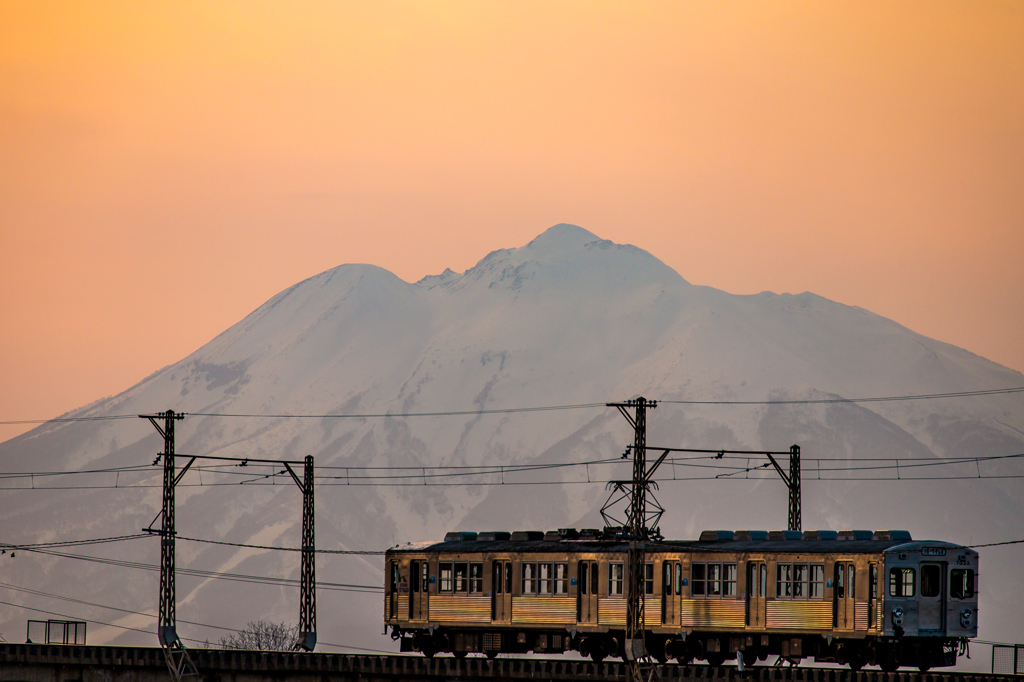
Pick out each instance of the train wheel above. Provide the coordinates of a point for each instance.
(428, 652)
(716, 660)
(924, 668)
(491, 654)
(889, 664)
(459, 654)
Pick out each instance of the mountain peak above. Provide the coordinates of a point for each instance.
(562, 235)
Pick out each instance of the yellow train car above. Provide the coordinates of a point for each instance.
(852, 597)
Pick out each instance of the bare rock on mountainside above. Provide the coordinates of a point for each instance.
(567, 319)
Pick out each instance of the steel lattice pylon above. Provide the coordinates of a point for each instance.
(640, 526)
(178, 661)
(179, 664)
(307, 598)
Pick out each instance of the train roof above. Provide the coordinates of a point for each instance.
(612, 539)
(619, 546)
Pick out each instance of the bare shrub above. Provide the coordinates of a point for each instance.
(260, 635)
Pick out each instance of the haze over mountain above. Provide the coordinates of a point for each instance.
(567, 319)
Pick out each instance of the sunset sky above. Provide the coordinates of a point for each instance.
(167, 167)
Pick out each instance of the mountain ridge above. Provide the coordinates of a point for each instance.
(566, 319)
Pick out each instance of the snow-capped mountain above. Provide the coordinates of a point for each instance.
(567, 319)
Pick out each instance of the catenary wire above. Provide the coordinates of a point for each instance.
(481, 470)
(75, 543)
(545, 408)
(358, 552)
(148, 632)
(198, 573)
(73, 600)
(826, 401)
(487, 484)
(90, 620)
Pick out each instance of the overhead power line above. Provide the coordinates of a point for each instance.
(74, 543)
(359, 552)
(826, 401)
(90, 620)
(421, 473)
(148, 632)
(198, 573)
(542, 408)
(49, 595)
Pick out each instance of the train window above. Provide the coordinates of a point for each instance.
(816, 586)
(544, 586)
(529, 578)
(425, 581)
(764, 581)
(666, 578)
(961, 583)
(461, 577)
(901, 582)
(840, 586)
(414, 578)
(393, 585)
(800, 581)
(584, 568)
(784, 580)
(476, 578)
(714, 580)
(930, 580)
(508, 577)
(800, 575)
(499, 584)
(446, 577)
(679, 578)
(615, 580)
(561, 578)
(728, 580)
(698, 580)
(648, 578)
(593, 580)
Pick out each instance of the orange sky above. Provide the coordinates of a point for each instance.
(167, 167)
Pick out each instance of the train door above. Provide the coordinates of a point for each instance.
(501, 591)
(872, 595)
(931, 606)
(418, 583)
(757, 590)
(671, 582)
(586, 591)
(843, 591)
(393, 580)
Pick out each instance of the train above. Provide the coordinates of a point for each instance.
(852, 597)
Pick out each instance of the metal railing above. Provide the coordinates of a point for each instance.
(55, 632)
(1008, 659)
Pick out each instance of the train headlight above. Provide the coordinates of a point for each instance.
(965, 617)
(897, 616)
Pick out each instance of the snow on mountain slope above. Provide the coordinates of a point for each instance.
(566, 319)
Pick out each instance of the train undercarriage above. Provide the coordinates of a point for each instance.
(715, 648)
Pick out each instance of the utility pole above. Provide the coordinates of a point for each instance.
(795, 514)
(639, 531)
(307, 598)
(792, 481)
(178, 661)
